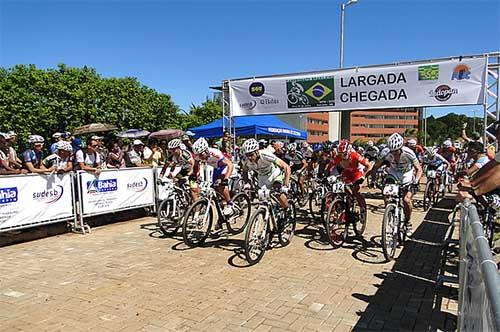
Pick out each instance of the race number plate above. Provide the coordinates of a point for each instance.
(338, 187)
(391, 190)
(264, 194)
(431, 174)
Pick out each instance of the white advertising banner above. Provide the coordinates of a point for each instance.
(434, 83)
(116, 190)
(34, 199)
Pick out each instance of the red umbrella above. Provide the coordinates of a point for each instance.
(167, 134)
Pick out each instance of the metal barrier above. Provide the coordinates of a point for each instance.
(35, 199)
(479, 281)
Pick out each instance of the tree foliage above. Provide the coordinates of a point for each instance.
(207, 112)
(450, 126)
(41, 101)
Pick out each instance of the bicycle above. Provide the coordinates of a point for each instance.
(295, 95)
(296, 193)
(198, 220)
(432, 191)
(172, 207)
(316, 197)
(393, 226)
(268, 214)
(342, 212)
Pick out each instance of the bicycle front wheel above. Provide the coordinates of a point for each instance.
(242, 207)
(389, 232)
(256, 237)
(429, 195)
(197, 223)
(336, 223)
(315, 203)
(360, 220)
(166, 220)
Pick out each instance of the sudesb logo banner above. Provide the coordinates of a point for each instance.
(35, 199)
(115, 190)
(460, 81)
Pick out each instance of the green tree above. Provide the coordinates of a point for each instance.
(207, 112)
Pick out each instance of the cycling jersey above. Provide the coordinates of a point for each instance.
(402, 170)
(448, 154)
(482, 161)
(266, 168)
(371, 152)
(295, 159)
(438, 160)
(351, 167)
(33, 157)
(307, 153)
(55, 160)
(184, 160)
(215, 158)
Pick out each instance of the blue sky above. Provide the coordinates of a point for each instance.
(182, 47)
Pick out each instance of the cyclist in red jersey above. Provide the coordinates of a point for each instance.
(449, 153)
(418, 149)
(351, 169)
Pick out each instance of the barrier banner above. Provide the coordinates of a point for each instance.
(433, 83)
(34, 199)
(116, 190)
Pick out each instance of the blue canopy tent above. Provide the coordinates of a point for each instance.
(251, 126)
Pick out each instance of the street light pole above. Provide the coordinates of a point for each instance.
(345, 117)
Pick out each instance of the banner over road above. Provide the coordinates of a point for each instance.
(433, 83)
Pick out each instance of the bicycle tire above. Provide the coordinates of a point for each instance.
(166, 223)
(325, 204)
(263, 239)
(336, 223)
(428, 195)
(360, 219)
(285, 235)
(389, 220)
(241, 203)
(186, 225)
(315, 204)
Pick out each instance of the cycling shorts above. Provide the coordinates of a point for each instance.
(219, 173)
(352, 177)
(399, 178)
(271, 180)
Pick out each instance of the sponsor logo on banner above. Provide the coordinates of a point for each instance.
(248, 105)
(256, 89)
(138, 186)
(310, 92)
(101, 186)
(461, 72)
(49, 196)
(443, 92)
(8, 195)
(428, 73)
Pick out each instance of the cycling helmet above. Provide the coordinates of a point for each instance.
(457, 145)
(335, 144)
(249, 146)
(174, 144)
(292, 147)
(64, 146)
(395, 142)
(370, 143)
(32, 139)
(344, 146)
(200, 145)
(447, 144)
(432, 152)
(412, 142)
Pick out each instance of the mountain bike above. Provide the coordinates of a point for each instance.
(432, 191)
(200, 216)
(269, 218)
(301, 197)
(342, 212)
(174, 202)
(394, 227)
(316, 198)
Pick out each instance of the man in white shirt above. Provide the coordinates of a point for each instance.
(88, 159)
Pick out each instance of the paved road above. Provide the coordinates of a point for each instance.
(127, 277)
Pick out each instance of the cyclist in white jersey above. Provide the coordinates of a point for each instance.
(271, 171)
(297, 163)
(223, 168)
(402, 162)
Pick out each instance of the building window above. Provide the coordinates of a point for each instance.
(317, 133)
(316, 121)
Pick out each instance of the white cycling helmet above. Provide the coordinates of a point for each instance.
(432, 152)
(292, 147)
(32, 139)
(64, 146)
(395, 142)
(412, 142)
(249, 146)
(370, 143)
(200, 145)
(457, 145)
(174, 144)
(447, 144)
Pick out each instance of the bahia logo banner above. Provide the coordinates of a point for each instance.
(49, 196)
(8, 195)
(310, 92)
(138, 186)
(102, 186)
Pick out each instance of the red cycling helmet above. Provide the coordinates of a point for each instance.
(345, 146)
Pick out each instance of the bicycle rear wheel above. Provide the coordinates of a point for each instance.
(242, 207)
(197, 223)
(336, 224)
(287, 228)
(389, 232)
(256, 237)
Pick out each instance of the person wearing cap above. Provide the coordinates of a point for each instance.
(5, 167)
(61, 161)
(88, 159)
(101, 148)
(56, 137)
(135, 157)
(186, 140)
(475, 137)
(14, 160)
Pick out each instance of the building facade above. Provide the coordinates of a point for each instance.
(377, 124)
(317, 127)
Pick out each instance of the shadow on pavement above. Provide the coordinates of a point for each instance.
(405, 299)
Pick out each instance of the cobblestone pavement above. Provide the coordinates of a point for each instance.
(127, 277)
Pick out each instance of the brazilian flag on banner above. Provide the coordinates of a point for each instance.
(310, 92)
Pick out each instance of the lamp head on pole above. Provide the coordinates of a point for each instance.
(351, 2)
